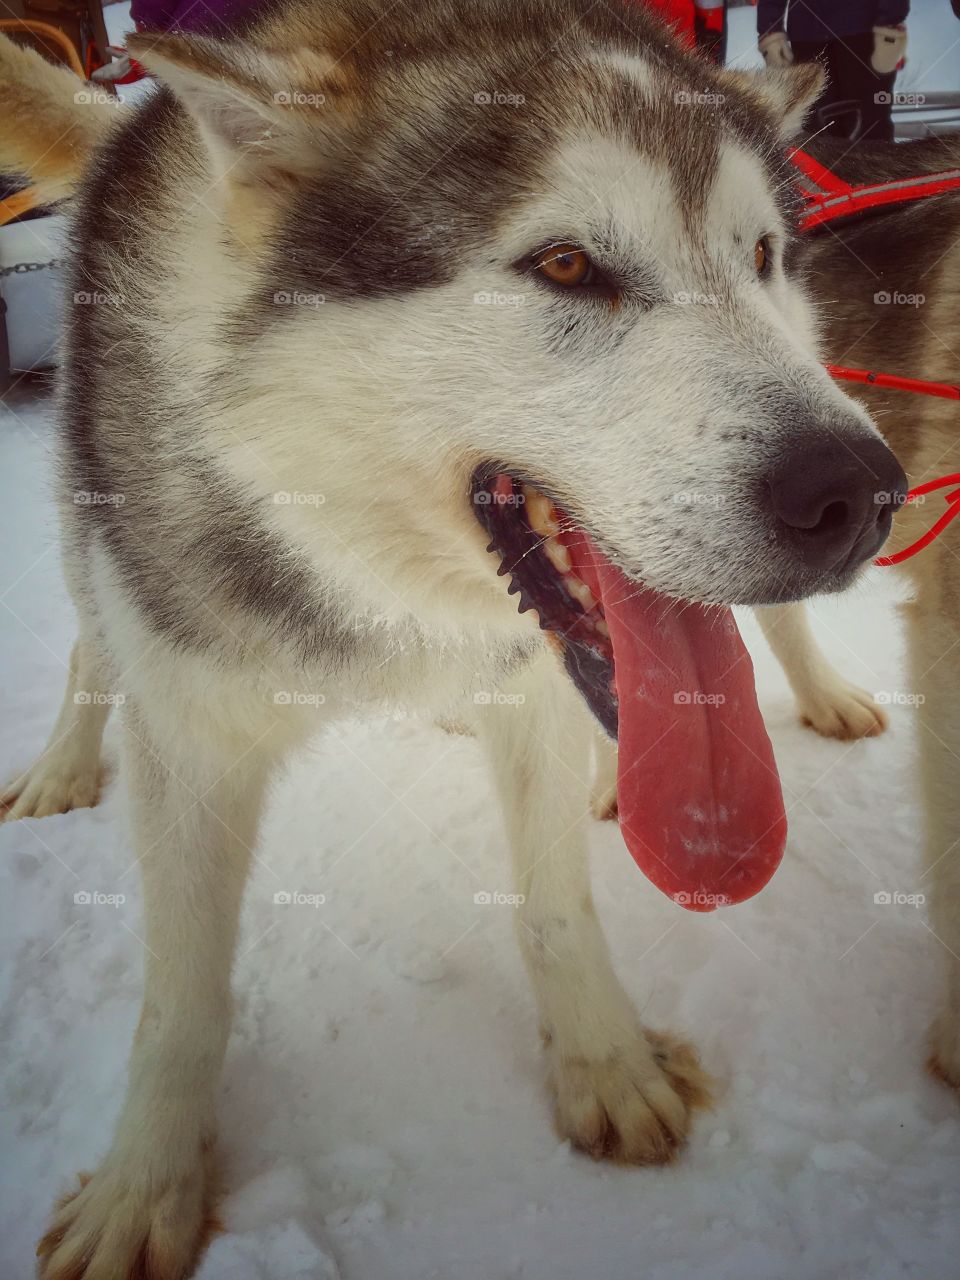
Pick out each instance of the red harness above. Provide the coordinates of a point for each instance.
(828, 198)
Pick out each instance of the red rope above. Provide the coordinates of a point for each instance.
(896, 383)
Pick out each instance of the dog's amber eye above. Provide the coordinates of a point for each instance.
(565, 264)
(761, 257)
(569, 268)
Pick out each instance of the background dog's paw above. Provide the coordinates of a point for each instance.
(841, 710)
(116, 1228)
(51, 786)
(944, 1060)
(635, 1105)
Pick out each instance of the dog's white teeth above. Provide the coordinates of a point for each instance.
(541, 513)
(602, 629)
(558, 555)
(580, 592)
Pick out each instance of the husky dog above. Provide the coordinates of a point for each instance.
(890, 286)
(387, 296)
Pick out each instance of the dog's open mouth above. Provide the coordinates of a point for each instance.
(699, 796)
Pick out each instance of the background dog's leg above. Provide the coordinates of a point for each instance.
(66, 775)
(934, 627)
(825, 700)
(144, 1213)
(622, 1092)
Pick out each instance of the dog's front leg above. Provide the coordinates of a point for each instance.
(621, 1092)
(144, 1212)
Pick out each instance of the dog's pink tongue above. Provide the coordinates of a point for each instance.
(698, 791)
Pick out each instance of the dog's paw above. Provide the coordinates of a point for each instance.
(54, 784)
(944, 1060)
(633, 1106)
(841, 710)
(119, 1228)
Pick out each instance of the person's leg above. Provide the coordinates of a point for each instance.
(818, 51)
(856, 80)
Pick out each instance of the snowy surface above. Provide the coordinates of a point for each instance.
(382, 1114)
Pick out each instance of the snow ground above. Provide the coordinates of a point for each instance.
(382, 1102)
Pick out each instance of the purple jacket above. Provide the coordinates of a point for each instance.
(826, 20)
(209, 17)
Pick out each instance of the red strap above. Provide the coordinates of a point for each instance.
(944, 389)
(953, 509)
(820, 180)
(828, 197)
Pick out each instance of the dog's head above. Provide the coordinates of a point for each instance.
(546, 242)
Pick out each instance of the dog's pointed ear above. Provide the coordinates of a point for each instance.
(260, 111)
(785, 93)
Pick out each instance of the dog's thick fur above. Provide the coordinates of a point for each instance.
(271, 417)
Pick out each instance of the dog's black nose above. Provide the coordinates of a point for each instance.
(836, 496)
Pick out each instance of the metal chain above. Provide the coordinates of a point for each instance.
(23, 268)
